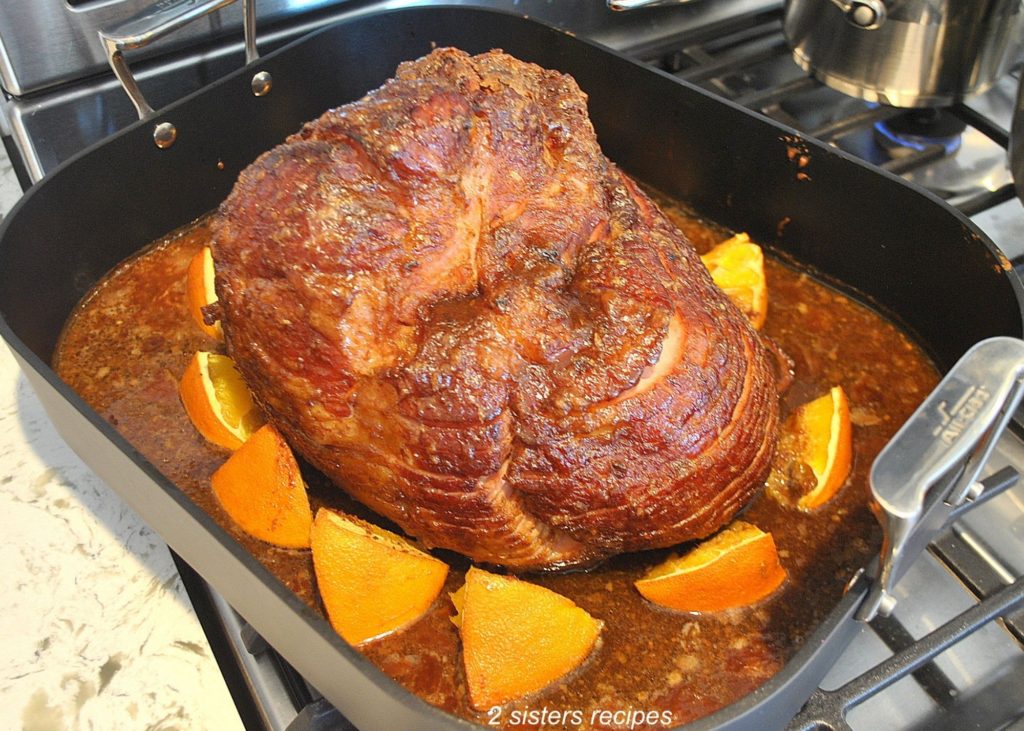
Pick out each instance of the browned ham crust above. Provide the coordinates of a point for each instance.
(455, 306)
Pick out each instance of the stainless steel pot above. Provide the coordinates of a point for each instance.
(906, 53)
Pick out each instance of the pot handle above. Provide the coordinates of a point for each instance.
(155, 23)
(929, 470)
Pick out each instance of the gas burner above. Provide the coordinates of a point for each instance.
(977, 168)
(920, 130)
(958, 153)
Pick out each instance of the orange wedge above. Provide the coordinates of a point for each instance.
(200, 291)
(734, 568)
(372, 582)
(217, 400)
(517, 638)
(737, 267)
(824, 439)
(261, 488)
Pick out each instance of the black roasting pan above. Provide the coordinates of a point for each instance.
(913, 256)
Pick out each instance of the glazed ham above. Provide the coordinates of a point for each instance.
(450, 302)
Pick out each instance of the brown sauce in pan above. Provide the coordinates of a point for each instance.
(127, 345)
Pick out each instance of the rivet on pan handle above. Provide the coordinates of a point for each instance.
(157, 22)
(932, 464)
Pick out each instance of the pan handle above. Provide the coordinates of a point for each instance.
(929, 470)
(634, 4)
(864, 14)
(157, 22)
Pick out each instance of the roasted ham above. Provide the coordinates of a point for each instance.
(450, 302)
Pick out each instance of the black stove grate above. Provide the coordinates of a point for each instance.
(828, 709)
(997, 600)
(748, 62)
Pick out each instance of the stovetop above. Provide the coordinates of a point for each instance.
(734, 49)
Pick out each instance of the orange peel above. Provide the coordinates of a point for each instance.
(261, 488)
(517, 637)
(371, 581)
(200, 291)
(217, 401)
(736, 567)
(737, 267)
(825, 436)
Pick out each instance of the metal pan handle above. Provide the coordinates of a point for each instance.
(634, 4)
(864, 14)
(157, 22)
(931, 467)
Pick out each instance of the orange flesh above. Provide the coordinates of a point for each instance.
(827, 438)
(372, 582)
(737, 267)
(217, 401)
(197, 402)
(261, 488)
(738, 566)
(517, 637)
(200, 291)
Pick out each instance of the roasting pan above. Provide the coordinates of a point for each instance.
(911, 255)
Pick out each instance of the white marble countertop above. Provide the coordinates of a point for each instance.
(97, 629)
